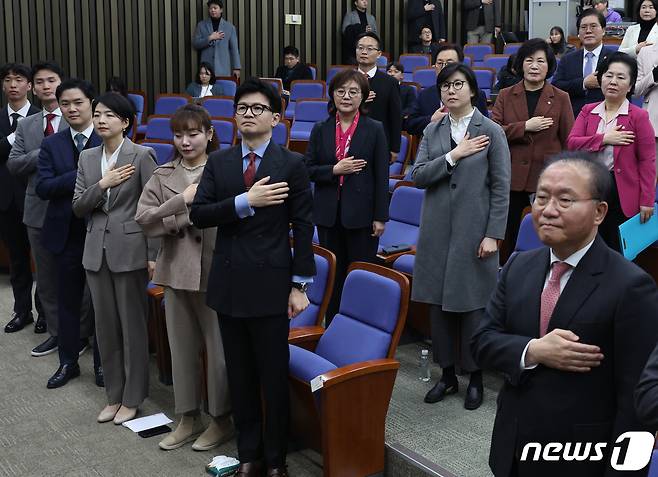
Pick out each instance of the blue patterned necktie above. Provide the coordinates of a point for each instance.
(80, 141)
(589, 64)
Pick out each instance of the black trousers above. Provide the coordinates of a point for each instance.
(14, 234)
(257, 355)
(609, 228)
(518, 200)
(349, 245)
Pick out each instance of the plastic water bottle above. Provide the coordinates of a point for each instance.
(424, 365)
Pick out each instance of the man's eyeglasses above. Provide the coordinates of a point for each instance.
(443, 64)
(590, 27)
(562, 203)
(457, 84)
(369, 49)
(256, 109)
(351, 93)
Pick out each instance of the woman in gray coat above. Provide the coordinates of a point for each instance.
(464, 164)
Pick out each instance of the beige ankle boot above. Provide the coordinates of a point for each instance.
(219, 431)
(188, 429)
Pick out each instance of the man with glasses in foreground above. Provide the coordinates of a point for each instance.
(427, 107)
(576, 72)
(570, 326)
(252, 192)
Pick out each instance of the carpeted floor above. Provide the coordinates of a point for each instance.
(54, 432)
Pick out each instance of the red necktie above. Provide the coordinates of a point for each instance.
(550, 295)
(250, 171)
(49, 125)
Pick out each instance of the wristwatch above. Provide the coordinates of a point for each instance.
(302, 287)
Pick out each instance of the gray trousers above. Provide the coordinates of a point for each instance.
(46, 278)
(120, 302)
(448, 328)
(191, 326)
(479, 35)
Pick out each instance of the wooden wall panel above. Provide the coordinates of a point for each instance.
(148, 42)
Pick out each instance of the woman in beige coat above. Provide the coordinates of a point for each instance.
(182, 268)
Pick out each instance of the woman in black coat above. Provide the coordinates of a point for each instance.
(347, 158)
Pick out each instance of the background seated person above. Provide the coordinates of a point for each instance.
(292, 69)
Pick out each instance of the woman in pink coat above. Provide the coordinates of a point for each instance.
(623, 137)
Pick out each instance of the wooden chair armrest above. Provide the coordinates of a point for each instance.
(356, 370)
(155, 292)
(389, 259)
(396, 176)
(305, 336)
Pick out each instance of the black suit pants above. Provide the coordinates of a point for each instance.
(257, 355)
(14, 235)
(609, 228)
(518, 200)
(349, 245)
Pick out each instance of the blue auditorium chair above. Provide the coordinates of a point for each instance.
(478, 51)
(167, 104)
(485, 78)
(307, 113)
(411, 61)
(319, 292)
(403, 224)
(405, 263)
(403, 156)
(527, 239)
(425, 77)
(341, 378)
(158, 127)
(228, 83)
(304, 89)
(164, 150)
(281, 133)
(333, 69)
(225, 128)
(138, 98)
(495, 61)
(511, 48)
(219, 106)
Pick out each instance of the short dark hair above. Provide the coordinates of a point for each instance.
(291, 50)
(50, 66)
(453, 68)
(343, 77)
(219, 3)
(619, 57)
(193, 116)
(396, 65)
(16, 69)
(256, 85)
(595, 2)
(591, 12)
(369, 34)
(119, 105)
(117, 85)
(531, 47)
(209, 68)
(451, 46)
(599, 183)
(76, 83)
(639, 5)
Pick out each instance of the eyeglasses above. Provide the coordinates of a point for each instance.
(351, 93)
(457, 84)
(369, 49)
(443, 64)
(256, 109)
(562, 203)
(590, 27)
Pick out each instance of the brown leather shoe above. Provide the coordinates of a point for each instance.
(277, 472)
(250, 469)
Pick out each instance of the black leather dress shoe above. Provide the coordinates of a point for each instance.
(47, 347)
(40, 325)
(63, 374)
(18, 322)
(100, 379)
(441, 390)
(277, 472)
(250, 469)
(474, 395)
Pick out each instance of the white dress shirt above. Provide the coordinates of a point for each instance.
(608, 152)
(86, 133)
(458, 129)
(23, 114)
(572, 260)
(55, 121)
(371, 72)
(107, 164)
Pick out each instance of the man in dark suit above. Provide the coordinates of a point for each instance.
(384, 100)
(482, 19)
(292, 69)
(576, 72)
(425, 13)
(427, 107)
(570, 326)
(407, 92)
(252, 192)
(62, 233)
(16, 82)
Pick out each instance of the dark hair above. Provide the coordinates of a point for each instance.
(639, 5)
(219, 3)
(369, 34)
(510, 63)
(590, 12)
(209, 68)
(619, 57)
(453, 68)
(256, 85)
(451, 46)
(16, 69)
(599, 180)
(48, 65)
(397, 66)
(291, 50)
(596, 2)
(531, 47)
(117, 85)
(76, 83)
(425, 25)
(343, 77)
(561, 47)
(193, 116)
(119, 105)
